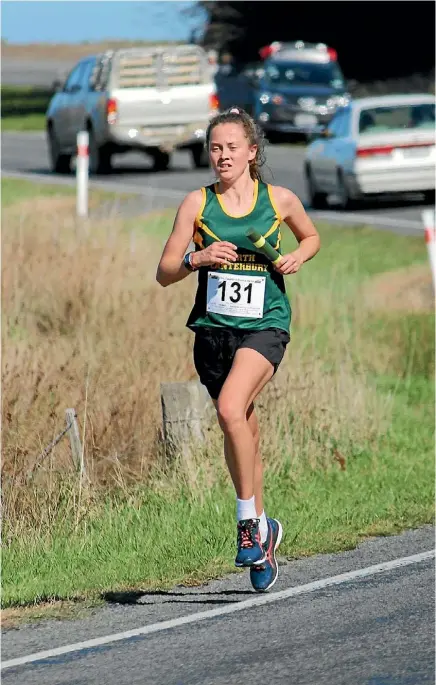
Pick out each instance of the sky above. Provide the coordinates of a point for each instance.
(74, 21)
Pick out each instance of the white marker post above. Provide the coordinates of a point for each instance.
(82, 173)
(428, 217)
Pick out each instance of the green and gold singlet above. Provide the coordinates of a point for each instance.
(247, 294)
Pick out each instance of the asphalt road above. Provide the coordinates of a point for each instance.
(375, 630)
(27, 152)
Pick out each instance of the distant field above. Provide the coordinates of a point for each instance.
(61, 51)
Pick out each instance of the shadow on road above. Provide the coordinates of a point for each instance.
(141, 597)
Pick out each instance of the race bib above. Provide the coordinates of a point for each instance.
(235, 295)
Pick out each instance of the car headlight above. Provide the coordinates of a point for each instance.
(339, 100)
(307, 104)
(275, 98)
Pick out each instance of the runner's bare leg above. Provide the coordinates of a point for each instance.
(249, 374)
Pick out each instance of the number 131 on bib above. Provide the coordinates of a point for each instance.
(235, 295)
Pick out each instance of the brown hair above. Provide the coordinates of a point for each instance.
(255, 135)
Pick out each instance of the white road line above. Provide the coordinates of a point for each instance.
(229, 609)
(371, 219)
(110, 187)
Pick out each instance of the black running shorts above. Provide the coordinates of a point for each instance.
(215, 349)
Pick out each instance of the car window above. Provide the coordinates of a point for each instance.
(74, 79)
(85, 77)
(397, 117)
(301, 73)
(100, 73)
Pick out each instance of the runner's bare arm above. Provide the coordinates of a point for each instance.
(171, 268)
(295, 216)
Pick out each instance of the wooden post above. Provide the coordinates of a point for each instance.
(185, 408)
(76, 445)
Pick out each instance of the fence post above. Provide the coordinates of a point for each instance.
(185, 408)
(76, 445)
(428, 218)
(82, 173)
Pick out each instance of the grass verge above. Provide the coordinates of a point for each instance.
(24, 122)
(347, 423)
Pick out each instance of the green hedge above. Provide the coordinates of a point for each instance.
(24, 100)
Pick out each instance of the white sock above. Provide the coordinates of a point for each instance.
(263, 527)
(245, 509)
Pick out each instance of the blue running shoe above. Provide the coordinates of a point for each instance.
(264, 575)
(250, 548)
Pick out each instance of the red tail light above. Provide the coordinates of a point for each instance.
(111, 111)
(265, 52)
(269, 50)
(388, 149)
(332, 54)
(214, 102)
(373, 151)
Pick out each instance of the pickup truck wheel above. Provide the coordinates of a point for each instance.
(100, 159)
(200, 158)
(317, 200)
(161, 160)
(59, 163)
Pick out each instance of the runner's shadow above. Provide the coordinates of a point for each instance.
(171, 597)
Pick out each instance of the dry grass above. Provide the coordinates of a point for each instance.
(403, 290)
(14, 617)
(77, 308)
(83, 319)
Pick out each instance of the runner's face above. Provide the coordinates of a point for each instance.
(230, 151)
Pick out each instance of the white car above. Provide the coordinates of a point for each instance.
(374, 145)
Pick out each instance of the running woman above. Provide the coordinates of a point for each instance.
(241, 316)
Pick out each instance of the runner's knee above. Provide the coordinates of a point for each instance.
(230, 414)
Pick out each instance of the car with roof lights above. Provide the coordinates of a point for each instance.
(300, 87)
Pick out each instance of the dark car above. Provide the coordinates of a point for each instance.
(299, 88)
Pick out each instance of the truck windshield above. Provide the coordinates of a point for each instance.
(300, 73)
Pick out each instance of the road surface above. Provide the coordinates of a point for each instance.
(27, 152)
(374, 629)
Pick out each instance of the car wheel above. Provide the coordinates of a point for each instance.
(429, 197)
(161, 160)
(59, 162)
(100, 158)
(345, 201)
(200, 158)
(274, 137)
(317, 200)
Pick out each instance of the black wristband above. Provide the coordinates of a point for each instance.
(187, 262)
